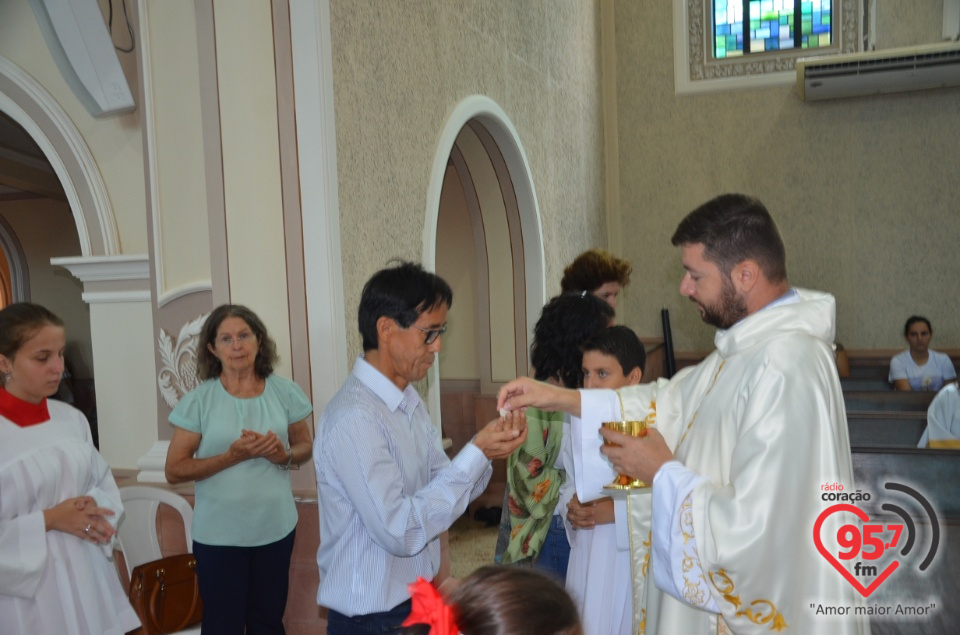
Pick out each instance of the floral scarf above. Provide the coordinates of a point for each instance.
(533, 486)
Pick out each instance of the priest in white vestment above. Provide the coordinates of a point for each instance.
(744, 441)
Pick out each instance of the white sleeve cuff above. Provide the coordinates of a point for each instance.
(673, 552)
(591, 469)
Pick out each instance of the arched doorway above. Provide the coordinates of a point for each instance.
(53, 204)
(27, 103)
(482, 234)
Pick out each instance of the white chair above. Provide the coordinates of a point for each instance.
(137, 531)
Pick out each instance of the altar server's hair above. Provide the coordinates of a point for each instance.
(620, 342)
(19, 322)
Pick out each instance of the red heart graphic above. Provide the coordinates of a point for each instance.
(862, 515)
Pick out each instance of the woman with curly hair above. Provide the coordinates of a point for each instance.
(531, 529)
(598, 272)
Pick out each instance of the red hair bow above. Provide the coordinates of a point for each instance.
(429, 608)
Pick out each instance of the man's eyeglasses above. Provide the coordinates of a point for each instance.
(432, 334)
(242, 338)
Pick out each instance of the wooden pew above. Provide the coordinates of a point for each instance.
(870, 401)
(885, 429)
(936, 475)
(865, 384)
(872, 371)
(870, 364)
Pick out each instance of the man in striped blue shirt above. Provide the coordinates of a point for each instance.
(387, 489)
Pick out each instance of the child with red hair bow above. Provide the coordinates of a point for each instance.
(494, 601)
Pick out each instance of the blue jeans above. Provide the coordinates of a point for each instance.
(370, 624)
(555, 552)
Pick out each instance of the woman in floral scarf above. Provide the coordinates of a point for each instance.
(531, 529)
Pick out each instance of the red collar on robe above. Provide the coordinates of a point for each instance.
(23, 413)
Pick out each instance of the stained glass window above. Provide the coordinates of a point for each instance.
(742, 27)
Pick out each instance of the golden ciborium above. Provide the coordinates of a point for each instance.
(633, 429)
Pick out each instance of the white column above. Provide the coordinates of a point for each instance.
(316, 148)
(121, 333)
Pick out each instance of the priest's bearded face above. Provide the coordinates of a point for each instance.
(719, 302)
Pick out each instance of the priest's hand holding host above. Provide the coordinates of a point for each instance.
(639, 457)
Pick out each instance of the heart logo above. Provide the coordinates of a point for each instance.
(862, 515)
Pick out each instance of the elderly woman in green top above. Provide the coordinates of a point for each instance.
(237, 434)
(531, 529)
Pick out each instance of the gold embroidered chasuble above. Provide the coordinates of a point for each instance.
(762, 419)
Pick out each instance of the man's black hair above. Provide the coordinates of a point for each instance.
(402, 293)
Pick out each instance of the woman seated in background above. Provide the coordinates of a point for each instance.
(237, 434)
(59, 504)
(920, 367)
(493, 601)
(598, 272)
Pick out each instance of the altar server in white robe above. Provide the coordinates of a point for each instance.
(743, 444)
(59, 503)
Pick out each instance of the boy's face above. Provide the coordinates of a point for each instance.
(604, 371)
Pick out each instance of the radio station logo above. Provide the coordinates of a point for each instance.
(868, 553)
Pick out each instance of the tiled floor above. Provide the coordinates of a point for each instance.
(471, 545)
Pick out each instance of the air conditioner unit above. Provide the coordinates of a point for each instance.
(879, 72)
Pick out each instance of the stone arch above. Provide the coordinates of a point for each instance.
(28, 103)
(502, 143)
(484, 111)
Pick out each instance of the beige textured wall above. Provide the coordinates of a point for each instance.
(908, 23)
(865, 190)
(114, 141)
(399, 70)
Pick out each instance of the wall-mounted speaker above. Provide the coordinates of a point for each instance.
(78, 39)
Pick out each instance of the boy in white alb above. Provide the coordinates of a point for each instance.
(599, 576)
